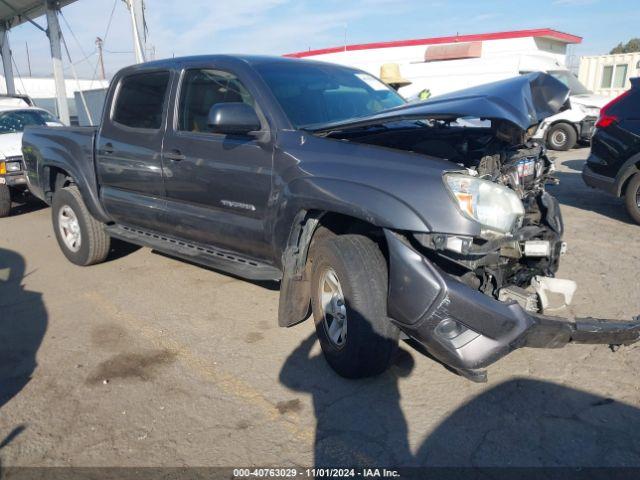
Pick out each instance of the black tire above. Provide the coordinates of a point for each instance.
(5, 201)
(632, 198)
(94, 242)
(562, 137)
(371, 340)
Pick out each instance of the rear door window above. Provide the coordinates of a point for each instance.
(140, 101)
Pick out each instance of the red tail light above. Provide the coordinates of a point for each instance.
(606, 118)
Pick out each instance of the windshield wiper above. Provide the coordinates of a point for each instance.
(326, 132)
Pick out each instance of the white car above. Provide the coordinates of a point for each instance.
(563, 130)
(16, 113)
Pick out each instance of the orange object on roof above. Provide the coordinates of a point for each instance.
(453, 52)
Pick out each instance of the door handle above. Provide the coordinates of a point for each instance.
(107, 148)
(175, 155)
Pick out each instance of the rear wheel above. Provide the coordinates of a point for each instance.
(561, 136)
(81, 237)
(632, 198)
(5, 200)
(349, 295)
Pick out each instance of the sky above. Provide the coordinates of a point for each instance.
(187, 27)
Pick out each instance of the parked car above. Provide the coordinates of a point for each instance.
(614, 163)
(378, 216)
(16, 112)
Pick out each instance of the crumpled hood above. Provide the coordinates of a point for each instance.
(590, 100)
(522, 101)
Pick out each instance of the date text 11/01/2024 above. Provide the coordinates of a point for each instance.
(315, 473)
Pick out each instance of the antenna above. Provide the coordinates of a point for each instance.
(345, 36)
(28, 57)
(99, 43)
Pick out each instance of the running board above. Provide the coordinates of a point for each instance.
(215, 258)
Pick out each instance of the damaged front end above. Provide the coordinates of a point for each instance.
(471, 298)
(468, 329)
(517, 265)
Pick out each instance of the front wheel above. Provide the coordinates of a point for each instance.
(632, 198)
(5, 201)
(561, 136)
(81, 237)
(349, 296)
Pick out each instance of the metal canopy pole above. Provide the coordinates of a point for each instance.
(136, 7)
(53, 32)
(7, 62)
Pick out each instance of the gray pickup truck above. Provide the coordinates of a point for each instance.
(428, 221)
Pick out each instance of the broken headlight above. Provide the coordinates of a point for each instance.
(495, 207)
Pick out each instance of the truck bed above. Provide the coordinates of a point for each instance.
(65, 147)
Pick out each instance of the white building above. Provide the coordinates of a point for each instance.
(609, 75)
(42, 91)
(445, 64)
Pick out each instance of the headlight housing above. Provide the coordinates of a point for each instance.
(13, 167)
(494, 206)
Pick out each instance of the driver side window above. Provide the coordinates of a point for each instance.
(203, 88)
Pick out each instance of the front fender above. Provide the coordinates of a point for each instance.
(347, 198)
(294, 229)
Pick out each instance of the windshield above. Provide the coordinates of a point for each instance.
(15, 120)
(314, 94)
(570, 80)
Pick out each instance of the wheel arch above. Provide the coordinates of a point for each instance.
(55, 177)
(309, 226)
(630, 168)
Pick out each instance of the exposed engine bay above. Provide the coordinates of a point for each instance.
(506, 267)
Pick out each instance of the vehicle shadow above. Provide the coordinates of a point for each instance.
(23, 322)
(359, 422)
(120, 249)
(518, 423)
(573, 192)
(26, 203)
(533, 423)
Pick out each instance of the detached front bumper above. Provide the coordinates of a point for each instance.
(422, 299)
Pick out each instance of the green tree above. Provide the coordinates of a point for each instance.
(632, 45)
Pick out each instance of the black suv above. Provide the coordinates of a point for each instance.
(614, 163)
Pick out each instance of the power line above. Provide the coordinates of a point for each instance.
(106, 32)
(64, 19)
(24, 89)
(104, 40)
(75, 76)
(116, 52)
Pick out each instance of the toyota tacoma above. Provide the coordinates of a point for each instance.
(381, 219)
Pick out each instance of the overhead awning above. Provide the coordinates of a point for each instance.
(16, 12)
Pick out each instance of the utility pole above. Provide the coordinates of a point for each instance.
(54, 34)
(28, 58)
(100, 58)
(138, 25)
(5, 51)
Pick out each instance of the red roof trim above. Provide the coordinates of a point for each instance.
(538, 32)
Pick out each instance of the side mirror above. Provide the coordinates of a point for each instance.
(233, 118)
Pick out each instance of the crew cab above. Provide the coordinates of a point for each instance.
(382, 219)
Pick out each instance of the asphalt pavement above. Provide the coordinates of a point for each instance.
(146, 360)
